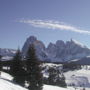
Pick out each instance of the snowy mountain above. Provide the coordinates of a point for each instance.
(39, 46)
(58, 52)
(7, 54)
(67, 51)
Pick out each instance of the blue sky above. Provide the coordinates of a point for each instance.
(20, 19)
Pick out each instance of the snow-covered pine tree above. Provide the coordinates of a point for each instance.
(34, 75)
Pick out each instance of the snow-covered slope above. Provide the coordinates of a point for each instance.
(74, 79)
(58, 52)
(6, 76)
(78, 78)
(49, 87)
(7, 84)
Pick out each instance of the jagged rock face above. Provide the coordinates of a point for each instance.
(67, 51)
(75, 50)
(57, 52)
(39, 46)
(29, 41)
(51, 50)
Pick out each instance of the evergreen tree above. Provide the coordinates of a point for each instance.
(56, 77)
(34, 75)
(0, 63)
(17, 69)
(61, 81)
(52, 76)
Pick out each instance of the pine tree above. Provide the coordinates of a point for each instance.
(0, 63)
(52, 76)
(61, 81)
(34, 75)
(56, 77)
(17, 69)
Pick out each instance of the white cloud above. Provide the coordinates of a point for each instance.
(54, 25)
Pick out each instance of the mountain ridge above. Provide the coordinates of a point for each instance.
(58, 52)
(55, 52)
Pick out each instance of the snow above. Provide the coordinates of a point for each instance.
(7, 84)
(78, 78)
(57, 52)
(47, 66)
(74, 79)
(51, 65)
(6, 76)
(77, 42)
(5, 58)
(49, 87)
(88, 56)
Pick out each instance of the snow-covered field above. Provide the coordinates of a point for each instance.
(78, 78)
(75, 79)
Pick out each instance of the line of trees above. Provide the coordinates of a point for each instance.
(29, 71)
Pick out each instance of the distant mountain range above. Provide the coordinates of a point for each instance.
(58, 52)
(7, 54)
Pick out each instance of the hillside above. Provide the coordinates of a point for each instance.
(7, 84)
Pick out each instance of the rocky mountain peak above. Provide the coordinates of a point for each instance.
(60, 43)
(39, 46)
(59, 51)
(31, 39)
